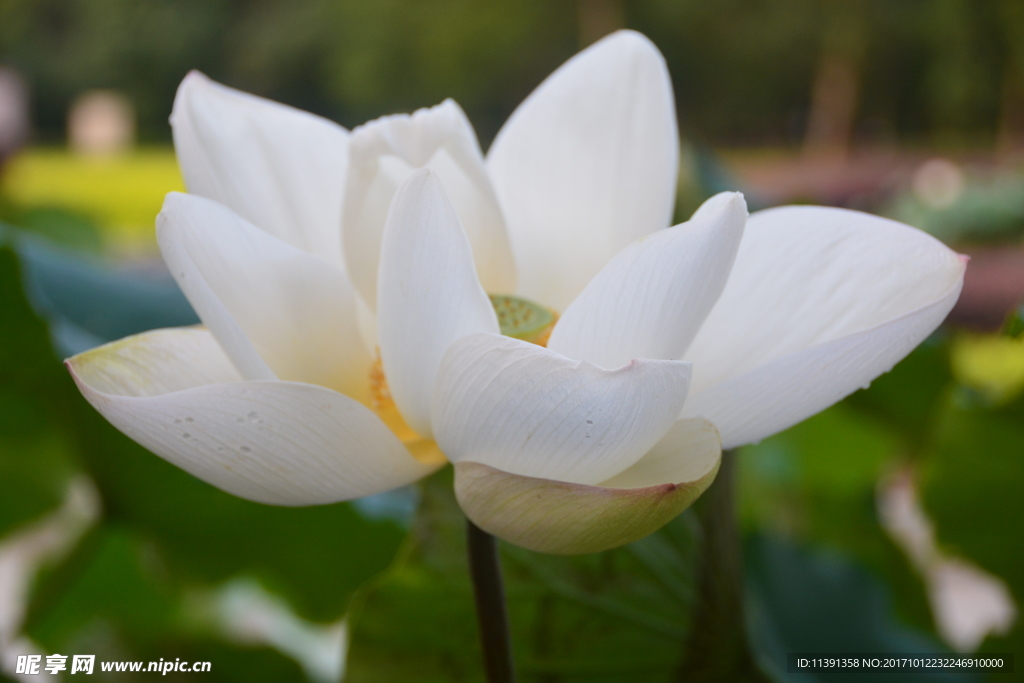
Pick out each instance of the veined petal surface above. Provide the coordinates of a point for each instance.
(651, 298)
(280, 168)
(261, 296)
(527, 410)
(690, 450)
(154, 363)
(281, 443)
(819, 303)
(428, 293)
(586, 165)
(384, 153)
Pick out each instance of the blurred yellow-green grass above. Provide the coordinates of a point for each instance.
(989, 363)
(121, 194)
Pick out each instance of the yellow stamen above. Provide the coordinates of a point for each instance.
(542, 338)
(424, 450)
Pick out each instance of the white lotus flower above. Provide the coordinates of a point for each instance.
(589, 443)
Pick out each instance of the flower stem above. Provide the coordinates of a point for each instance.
(718, 648)
(491, 614)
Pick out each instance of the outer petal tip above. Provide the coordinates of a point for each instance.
(171, 201)
(732, 205)
(421, 179)
(560, 518)
(630, 40)
(193, 81)
(69, 363)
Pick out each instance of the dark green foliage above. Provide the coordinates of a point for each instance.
(906, 399)
(1014, 325)
(112, 598)
(742, 70)
(622, 615)
(807, 601)
(618, 615)
(35, 455)
(973, 485)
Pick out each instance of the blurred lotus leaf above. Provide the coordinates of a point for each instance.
(618, 615)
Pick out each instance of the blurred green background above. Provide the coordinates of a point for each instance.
(889, 523)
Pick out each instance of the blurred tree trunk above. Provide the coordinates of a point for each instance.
(962, 79)
(1010, 136)
(836, 88)
(598, 18)
(14, 117)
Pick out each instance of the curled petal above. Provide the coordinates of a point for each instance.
(384, 153)
(280, 168)
(651, 298)
(819, 303)
(279, 312)
(586, 165)
(428, 292)
(526, 410)
(567, 519)
(280, 443)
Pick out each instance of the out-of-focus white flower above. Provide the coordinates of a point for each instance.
(303, 248)
(938, 183)
(24, 552)
(968, 603)
(248, 613)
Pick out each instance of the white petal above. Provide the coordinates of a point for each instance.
(384, 153)
(278, 311)
(527, 410)
(561, 518)
(280, 443)
(819, 303)
(280, 168)
(429, 294)
(785, 391)
(690, 450)
(586, 165)
(650, 300)
(154, 363)
(207, 305)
